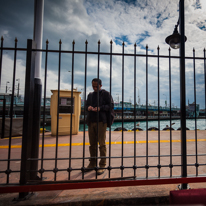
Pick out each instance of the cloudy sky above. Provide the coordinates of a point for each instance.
(146, 22)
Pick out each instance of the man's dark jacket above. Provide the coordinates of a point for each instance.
(106, 105)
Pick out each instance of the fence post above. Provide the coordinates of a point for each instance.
(182, 92)
(28, 116)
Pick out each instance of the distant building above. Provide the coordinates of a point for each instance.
(191, 110)
(126, 104)
(202, 113)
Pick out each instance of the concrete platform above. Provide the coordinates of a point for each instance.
(139, 195)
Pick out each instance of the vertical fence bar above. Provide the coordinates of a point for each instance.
(55, 170)
(85, 89)
(170, 90)
(97, 107)
(72, 103)
(183, 92)
(109, 168)
(196, 151)
(45, 84)
(122, 155)
(11, 112)
(2, 40)
(147, 165)
(4, 100)
(3, 118)
(205, 83)
(135, 83)
(158, 73)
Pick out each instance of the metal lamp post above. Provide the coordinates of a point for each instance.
(178, 41)
(7, 86)
(118, 99)
(82, 97)
(166, 100)
(70, 73)
(18, 87)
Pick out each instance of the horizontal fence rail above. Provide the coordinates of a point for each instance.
(133, 158)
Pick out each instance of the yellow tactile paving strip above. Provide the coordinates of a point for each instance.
(112, 143)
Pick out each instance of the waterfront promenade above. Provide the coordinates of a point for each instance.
(105, 194)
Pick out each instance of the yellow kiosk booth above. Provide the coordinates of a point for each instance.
(65, 109)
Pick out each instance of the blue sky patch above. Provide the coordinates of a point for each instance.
(160, 20)
(158, 15)
(202, 26)
(141, 46)
(120, 40)
(128, 1)
(197, 5)
(142, 37)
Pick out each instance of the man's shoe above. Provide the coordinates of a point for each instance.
(100, 171)
(90, 167)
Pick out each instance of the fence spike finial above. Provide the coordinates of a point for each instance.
(2, 38)
(16, 40)
(60, 41)
(135, 44)
(47, 41)
(123, 43)
(204, 49)
(146, 46)
(73, 42)
(99, 42)
(86, 42)
(169, 49)
(158, 48)
(193, 49)
(111, 42)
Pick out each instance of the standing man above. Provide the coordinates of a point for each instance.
(103, 109)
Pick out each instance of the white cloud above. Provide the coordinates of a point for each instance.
(7, 74)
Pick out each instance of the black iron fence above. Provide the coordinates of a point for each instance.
(132, 156)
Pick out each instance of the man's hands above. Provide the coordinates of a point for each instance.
(93, 109)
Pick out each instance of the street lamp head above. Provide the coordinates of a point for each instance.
(174, 39)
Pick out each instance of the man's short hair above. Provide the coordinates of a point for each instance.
(97, 80)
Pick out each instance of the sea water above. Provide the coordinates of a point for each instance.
(190, 124)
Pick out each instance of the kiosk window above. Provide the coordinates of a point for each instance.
(65, 105)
